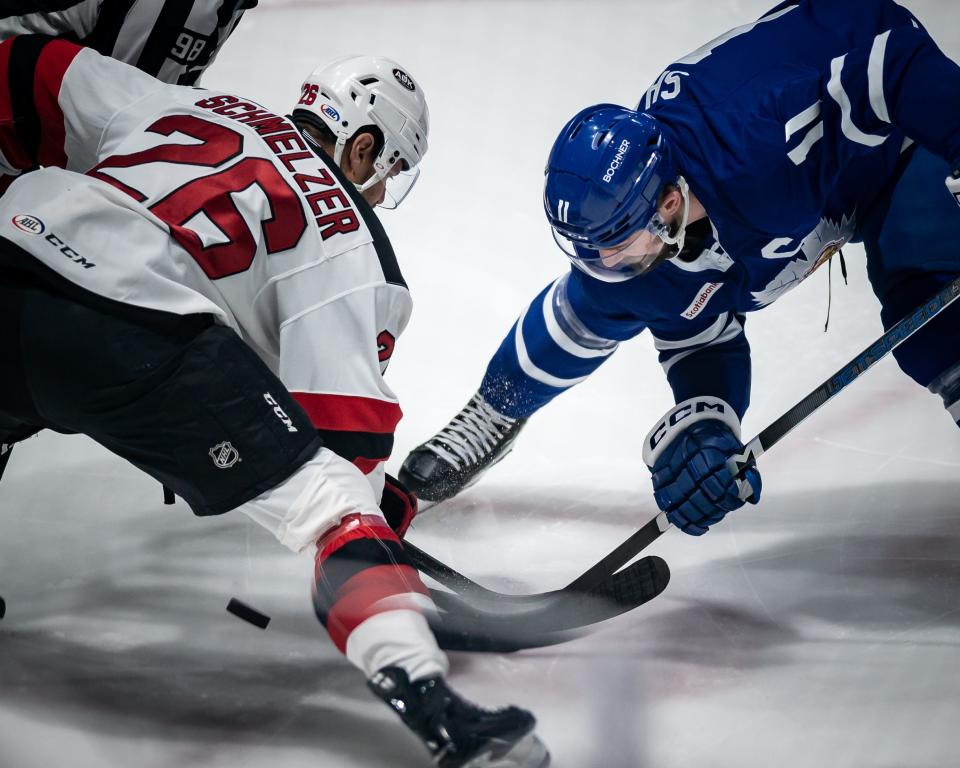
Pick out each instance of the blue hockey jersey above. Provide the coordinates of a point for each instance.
(788, 130)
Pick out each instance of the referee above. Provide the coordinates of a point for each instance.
(173, 40)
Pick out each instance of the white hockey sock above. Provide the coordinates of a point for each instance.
(400, 638)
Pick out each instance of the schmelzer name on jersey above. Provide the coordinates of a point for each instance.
(33, 226)
(328, 202)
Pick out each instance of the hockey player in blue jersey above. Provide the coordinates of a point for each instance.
(747, 165)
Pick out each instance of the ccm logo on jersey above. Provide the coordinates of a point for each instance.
(279, 412)
(617, 161)
(33, 226)
(701, 301)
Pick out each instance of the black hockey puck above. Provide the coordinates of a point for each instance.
(243, 611)
(3, 608)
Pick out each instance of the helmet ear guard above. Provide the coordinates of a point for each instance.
(357, 92)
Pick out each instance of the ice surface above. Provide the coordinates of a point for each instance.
(818, 630)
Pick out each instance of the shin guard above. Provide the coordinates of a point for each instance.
(371, 599)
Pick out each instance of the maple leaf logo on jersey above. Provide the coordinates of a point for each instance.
(815, 250)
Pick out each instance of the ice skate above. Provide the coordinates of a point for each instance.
(460, 734)
(457, 456)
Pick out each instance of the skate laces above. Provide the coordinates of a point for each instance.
(471, 434)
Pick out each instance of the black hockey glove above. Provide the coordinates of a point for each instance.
(399, 506)
(687, 453)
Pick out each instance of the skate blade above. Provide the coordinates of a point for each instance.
(529, 752)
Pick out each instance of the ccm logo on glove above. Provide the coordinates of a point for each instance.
(689, 454)
(690, 411)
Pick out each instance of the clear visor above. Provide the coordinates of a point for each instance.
(399, 186)
(399, 181)
(639, 253)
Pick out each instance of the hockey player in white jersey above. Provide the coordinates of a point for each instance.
(173, 40)
(202, 286)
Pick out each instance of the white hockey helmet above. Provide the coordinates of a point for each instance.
(354, 92)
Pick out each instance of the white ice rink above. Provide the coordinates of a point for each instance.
(820, 630)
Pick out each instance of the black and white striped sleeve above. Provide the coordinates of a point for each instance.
(173, 40)
(75, 19)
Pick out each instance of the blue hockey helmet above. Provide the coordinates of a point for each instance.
(604, 176)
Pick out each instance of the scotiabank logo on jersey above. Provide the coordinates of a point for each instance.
(697, 305)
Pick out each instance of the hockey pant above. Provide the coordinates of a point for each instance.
(189, 403)
(912, 239)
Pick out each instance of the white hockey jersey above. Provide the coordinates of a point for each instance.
(173, 40)
(191, 201)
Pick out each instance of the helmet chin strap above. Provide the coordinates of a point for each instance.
(677, 240)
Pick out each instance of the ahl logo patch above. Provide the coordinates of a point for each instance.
(330, 112)
(29, 224)
(404, 79)
(224, 455)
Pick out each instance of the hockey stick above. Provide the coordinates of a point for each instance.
(766, 439)
(465, 627)
(605, 587)
(497, 621)
(889, 341)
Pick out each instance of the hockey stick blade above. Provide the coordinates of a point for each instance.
(599, 578)
(554, 619)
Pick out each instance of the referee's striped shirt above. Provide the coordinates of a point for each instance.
(173, 40)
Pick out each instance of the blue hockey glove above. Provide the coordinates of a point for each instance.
(953, 185)
(687, 453)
